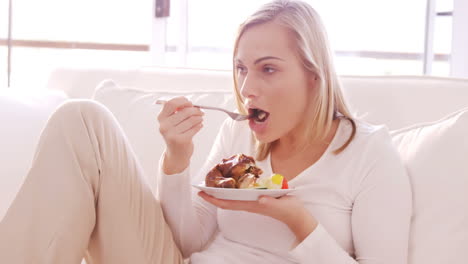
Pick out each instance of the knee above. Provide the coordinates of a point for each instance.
(80, 109)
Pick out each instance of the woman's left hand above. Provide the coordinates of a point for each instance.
(287, 209)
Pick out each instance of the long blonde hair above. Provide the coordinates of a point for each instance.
(313, 48)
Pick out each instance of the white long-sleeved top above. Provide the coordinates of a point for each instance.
(361, 198)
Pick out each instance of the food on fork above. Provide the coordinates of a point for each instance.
(240, 172)
(258, 115)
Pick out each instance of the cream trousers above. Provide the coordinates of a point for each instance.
(85, 196)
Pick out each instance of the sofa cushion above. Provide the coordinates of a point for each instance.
(137, 114)
(23, 115)
(402, 101)
(436, 157)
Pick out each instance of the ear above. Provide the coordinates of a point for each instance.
(315, 76)
(313, 80)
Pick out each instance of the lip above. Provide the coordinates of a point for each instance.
(251, 105)
(258, 128)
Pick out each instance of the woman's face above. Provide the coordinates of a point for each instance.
(272, 81)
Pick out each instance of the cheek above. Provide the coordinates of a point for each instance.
(292, 100)
(289, 108)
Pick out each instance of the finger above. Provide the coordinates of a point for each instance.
(229, 204)
(184, 114)
(208, 198)
(187, 124)
(173, 105)
(265, 200)
(168, 123)
(193, 131)
(182, 139)
(278, 205)
(203, 195)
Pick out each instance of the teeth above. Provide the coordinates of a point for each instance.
(258, 116)
(261, 116)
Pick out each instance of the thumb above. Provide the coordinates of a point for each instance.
(266, 200)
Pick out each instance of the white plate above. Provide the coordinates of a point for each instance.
(241, 194)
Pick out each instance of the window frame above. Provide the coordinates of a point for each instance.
(459, 55)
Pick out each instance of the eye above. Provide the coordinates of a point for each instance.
(241, 69)
(268, 69)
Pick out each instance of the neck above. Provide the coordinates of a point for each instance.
(292, 141)
(292, 145)
(287, 149)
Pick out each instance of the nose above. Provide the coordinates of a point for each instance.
(247, 87)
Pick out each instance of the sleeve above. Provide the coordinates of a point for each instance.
(380, 218)
(191, 219)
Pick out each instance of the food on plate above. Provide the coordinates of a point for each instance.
(240, 171)
(276, 181)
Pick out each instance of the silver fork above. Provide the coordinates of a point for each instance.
(234, 116)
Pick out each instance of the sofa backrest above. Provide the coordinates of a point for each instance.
(401, 101)
(396, 101)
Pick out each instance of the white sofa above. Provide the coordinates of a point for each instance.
(428, 118)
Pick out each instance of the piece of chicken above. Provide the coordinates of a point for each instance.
(238, 171)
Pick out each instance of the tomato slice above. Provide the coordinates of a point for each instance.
(285, 184)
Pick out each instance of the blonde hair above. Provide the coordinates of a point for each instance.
(313, 48)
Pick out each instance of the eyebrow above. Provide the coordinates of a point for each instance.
(267, 58)
(262, 59)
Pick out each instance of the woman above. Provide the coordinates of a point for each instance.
(351, 204)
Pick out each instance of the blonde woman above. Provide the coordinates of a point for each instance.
(352, 199)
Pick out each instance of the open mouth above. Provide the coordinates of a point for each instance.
(258, 115)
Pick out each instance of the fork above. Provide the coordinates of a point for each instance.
(234, 116)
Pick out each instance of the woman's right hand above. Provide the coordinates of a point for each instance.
(179, 122)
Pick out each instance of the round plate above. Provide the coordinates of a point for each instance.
(241, 194)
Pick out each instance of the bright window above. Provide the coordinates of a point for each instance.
(54, 33)
(3, 37)
(368, 36)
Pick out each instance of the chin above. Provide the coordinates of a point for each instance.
(264, 138)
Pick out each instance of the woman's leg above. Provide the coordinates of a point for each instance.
(85, 194)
